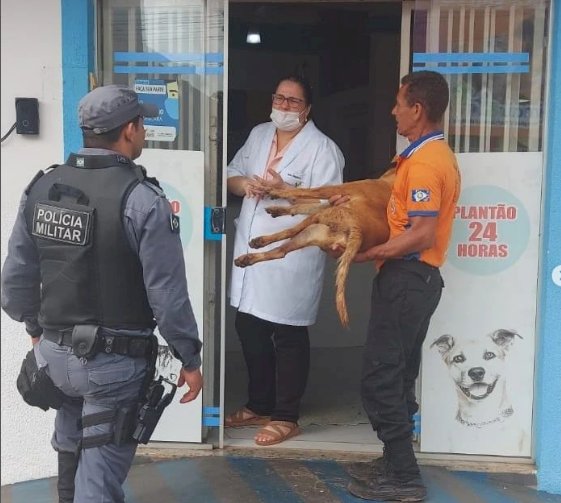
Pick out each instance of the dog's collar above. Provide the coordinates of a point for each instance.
(501, 417)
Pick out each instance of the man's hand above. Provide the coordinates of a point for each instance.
(338, 199)
(363, 257)
(376, 252)
(194, 380)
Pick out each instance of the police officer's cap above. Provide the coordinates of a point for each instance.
(108, 107)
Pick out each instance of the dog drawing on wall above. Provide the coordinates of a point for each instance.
(355, 225)
(478, 369)
(165, 362)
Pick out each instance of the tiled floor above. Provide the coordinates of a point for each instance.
(357, 438)
(243, 479)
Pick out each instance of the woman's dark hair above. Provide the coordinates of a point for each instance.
(107, 139)
(430, 89)
(303, 83)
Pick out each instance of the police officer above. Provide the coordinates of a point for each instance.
(94, 263)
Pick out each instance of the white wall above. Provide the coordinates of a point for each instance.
(31, 67)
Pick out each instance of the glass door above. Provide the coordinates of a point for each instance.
(172, 53)
(478, 360)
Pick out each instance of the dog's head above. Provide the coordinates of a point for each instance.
(476, 365)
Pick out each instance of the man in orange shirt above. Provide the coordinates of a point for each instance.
(407, 289)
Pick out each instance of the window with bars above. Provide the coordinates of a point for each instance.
(175, 46)
(493, 54)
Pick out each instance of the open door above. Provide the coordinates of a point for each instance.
(478, 360)
(349, 52)
(172, 53)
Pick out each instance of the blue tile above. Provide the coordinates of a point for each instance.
(264, 480)
(184, 480)
(37, 491)
(484, 487)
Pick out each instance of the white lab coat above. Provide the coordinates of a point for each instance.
(286, 290)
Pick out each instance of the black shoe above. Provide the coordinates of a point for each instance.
(388, 488)
(367, 471)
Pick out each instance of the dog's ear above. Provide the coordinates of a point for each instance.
(444, 344)
(504, 338)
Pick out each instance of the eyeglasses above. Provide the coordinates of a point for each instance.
(293, 103)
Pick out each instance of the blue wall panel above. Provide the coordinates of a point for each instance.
(547, 424)
(77, 61)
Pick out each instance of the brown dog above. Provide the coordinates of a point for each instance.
(355, 225)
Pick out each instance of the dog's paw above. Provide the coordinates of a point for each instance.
(258, 242)
(243, 260)
(276, 211)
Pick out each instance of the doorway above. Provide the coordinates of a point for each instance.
(349, 51)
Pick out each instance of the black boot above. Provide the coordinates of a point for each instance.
(400, 481)
(368, 471)
(67, 466)
(389, 488)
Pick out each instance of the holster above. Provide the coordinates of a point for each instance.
(36, 387)
(151, 411)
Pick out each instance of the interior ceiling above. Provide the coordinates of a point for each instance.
(309, 26)
(306, 12)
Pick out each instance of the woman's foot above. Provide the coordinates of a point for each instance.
(245, 417)
(275, 432)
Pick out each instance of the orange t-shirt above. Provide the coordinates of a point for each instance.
(427, 183)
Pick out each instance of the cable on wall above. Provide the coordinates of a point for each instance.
(9, 132)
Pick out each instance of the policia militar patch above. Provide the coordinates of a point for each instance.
(66, 225)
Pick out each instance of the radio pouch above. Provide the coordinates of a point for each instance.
(36, 387)
(85, 340)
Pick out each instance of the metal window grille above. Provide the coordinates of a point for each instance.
(493, 56)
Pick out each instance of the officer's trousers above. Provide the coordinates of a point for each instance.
(405, 294)
(106, 382)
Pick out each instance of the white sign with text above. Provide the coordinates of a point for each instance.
(478, 358)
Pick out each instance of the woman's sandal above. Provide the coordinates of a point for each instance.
(277, 432)
(245, 417)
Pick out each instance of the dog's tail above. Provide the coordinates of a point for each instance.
(354, 242)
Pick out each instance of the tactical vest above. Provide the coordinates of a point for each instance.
(89, 273)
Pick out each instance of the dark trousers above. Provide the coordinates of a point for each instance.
(405, 294)
(278, 362)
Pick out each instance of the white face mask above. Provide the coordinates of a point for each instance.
(285, 121)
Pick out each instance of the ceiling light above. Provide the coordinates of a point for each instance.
(253, 37)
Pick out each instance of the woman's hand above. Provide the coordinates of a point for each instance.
(252, 189)
(259, 186)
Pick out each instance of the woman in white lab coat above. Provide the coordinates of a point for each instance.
(277, 300)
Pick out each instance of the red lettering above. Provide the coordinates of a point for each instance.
(477, 228)
(482, 250)
(480, 232)
(490, 232)
(492, 212)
